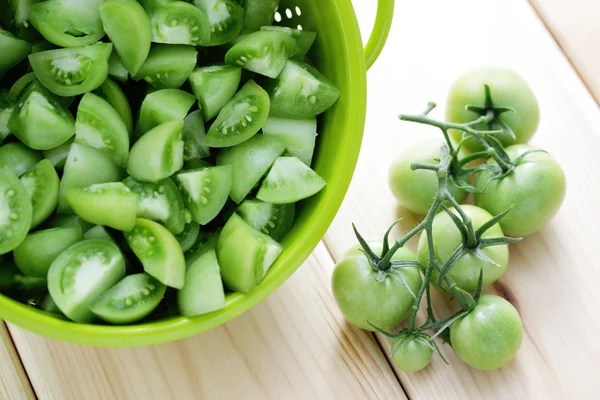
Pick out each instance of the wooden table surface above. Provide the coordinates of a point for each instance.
(296, 345)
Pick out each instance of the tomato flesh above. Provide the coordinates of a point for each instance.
(18, 158)
(203, 291)
(214, 86)
(42, 184)
(15, 211)
(274, 220)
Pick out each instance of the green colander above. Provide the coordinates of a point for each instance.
(339, 54)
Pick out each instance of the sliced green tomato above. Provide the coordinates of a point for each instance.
(301, 92)
(245, 255)
(203, 291)
(116, 68)
(112, 92)
(159, 252)
(72, 71)
(50, 306)
(40, 120)
(37, 251)
(7, 106)
(205, 242)
(160, 202)
(68, 23)
(128, 28)
(274, 220)
(85, 166)
(193, 137)
(65, 221)
(163, 106)
(81, 274)
(250, 161)
(130, 300)
(13, 50)
(258, 13)
(241, 118)
(178, 22)
(188, 237)
(158, 154)
(168, 66)
(58, 155)
(289, 181)
(98, 232)
(15, 211)
(42, 184)
(304, 39)
(206, 191)
(225, 19)
(263, 52)
(214, 86)
(299, 136)
(109, 204)
(21, 84)
(98, 125)
(18, 158)
(15, 16)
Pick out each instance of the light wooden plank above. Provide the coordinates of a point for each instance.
(295, 345)
(574, 25)
(14, 384)
(553, 276)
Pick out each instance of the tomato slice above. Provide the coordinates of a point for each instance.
(188, 237)
(109, 204)
(15, 16)
(50, 307)
(159, 252)
(158, 154)
(114, 95)
(37, 251)
(128, 28)
(40, 120)
(13, 50)
(68, 23)
(160, 202)
(203, 291)
(72, 71)
(289, 181)
(225, 19)
(241, 118)
(20, 85)
(263, 52)
(168, 66)
(250, 161)
(130, 300)
(163, 106)
(178, 22)
(214, 86)
(15, 211)
(7, 105)
(42, 184)
(206, 191)
(304, 39)
(193, 137)
(300, 91)
(81, 274)
(205, 242)
(18, 158)
(116, 68)
(274, 220)
(85, 166)
(258, 13)
(58, 155)
(98, 232)
(299, 136)
(98, 125)
(245, 254)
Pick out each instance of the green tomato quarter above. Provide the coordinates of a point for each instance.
(42, 184)
(15, 211)
(489, 336)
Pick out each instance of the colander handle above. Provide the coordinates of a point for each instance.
(381, 30)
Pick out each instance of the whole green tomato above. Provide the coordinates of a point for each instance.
(416, 190)
(412, 356)
(536, 187)
(363, 298)
(447, 238)
(489, 336)
(508, 89)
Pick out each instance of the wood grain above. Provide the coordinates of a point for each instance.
(295, 345)
(14, 384)
(553, 275)
(574, 25)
